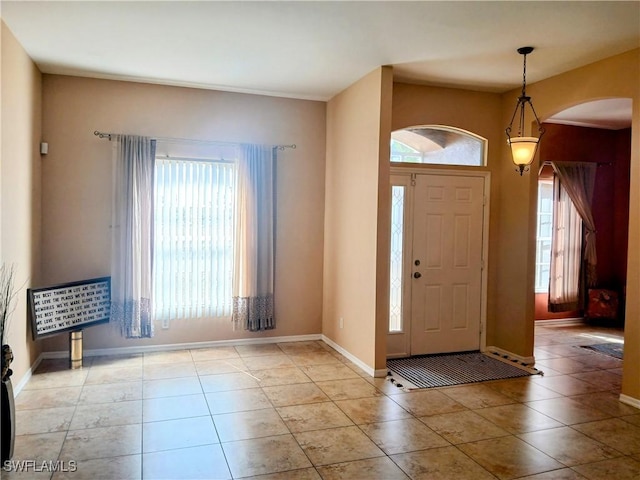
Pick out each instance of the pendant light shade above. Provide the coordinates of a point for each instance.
(523, 149)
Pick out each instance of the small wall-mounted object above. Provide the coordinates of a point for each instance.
(44, 148)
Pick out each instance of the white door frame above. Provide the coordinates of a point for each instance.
(399, 343)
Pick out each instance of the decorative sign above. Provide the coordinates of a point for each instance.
(69, 306)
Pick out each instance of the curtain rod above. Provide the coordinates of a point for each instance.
(600, 164)
(189, 140)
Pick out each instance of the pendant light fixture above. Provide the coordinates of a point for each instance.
(523, 149)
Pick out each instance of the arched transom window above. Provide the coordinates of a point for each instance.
(439, 145)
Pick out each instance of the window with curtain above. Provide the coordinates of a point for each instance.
(193, 248)
(566, 248)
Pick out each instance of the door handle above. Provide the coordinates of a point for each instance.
(417, 275)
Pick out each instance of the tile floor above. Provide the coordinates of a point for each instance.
(303, 411)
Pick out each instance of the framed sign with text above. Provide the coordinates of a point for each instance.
(69, 306)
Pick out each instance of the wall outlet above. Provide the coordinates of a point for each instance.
(341, 322)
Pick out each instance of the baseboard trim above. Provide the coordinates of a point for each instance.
(26, 377)
(626, 399)
(186, 346)
(366, 368)
(526, 361)
(559, 322)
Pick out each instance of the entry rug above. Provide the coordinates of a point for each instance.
(612, 349)
(444, 370)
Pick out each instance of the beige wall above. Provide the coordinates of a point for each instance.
(618, 76)
(20, 189)
(353, 175)
(77, 189)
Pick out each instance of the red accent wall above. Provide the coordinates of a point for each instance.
(610, 205)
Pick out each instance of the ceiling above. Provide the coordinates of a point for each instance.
(315, 49)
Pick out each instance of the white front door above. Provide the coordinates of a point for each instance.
(446, 263)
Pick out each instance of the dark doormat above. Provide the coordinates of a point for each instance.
(443, 370)
(612, 349)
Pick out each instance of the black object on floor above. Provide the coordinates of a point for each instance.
(612, 349)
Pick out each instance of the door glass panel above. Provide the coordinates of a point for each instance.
(397, 240)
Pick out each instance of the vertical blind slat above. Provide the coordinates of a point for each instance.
(193, 251)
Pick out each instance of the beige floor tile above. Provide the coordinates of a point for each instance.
(103, 442)
(615, 433)
(106, 415)
(267, 362)
(172, 408)
(47, 398)
(280, 376)
(169, 356)
(215, 367)
(252, 424)
(57, 379)
(43, 420)
(480, 419)
(523, 389)
(633, 419)
(559, 350)
(110, 392)
(445, 463)
(427, 402)
(332, 371)
(215, 353)
(283, 395)
(337, 445)
(39, 447)
(567, 410)
(204, 462)
(372, 409)
(314, 358)
(602, 379)
(372, 468)
(128, 467)
(623, 468)
(300, 418)
(237, 401)
(567, 385)
(296, 348)
(158, 371)
(401, 436)
(562, 474)
(463, 427)
(569, 446)
(509, 457)
(518, 418)
(117, 361)
(264, 456)
(608, 402)
(182, 433)
(603, 362)
(171, 387)
(258, 350)
(113, 375)
(565, 365)
(349, 389)
(300, 474)
(49, 365)
(384, 385)
(477, 396)
(224, 382)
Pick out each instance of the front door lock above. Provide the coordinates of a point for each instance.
(417, 275)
